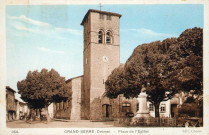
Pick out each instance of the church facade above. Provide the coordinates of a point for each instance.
(101, 55)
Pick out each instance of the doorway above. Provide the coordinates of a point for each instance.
(174, 110)
(106, 110)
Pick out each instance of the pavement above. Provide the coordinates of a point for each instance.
(60, 124)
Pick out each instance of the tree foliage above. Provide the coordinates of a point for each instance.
(116, 83)
(191, 65)
(192, 107)
(39, 89)
(163, 68)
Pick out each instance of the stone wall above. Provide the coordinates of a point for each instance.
(62, 110)
(76, 111)
(86, 66)
(117, 106)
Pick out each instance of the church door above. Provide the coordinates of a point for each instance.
(106, 110)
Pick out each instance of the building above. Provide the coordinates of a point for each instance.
(15, 108)
(22, 109)
(120, 107)
(10, 104)
(101, 55)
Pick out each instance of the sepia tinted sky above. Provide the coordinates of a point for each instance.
(51, 36)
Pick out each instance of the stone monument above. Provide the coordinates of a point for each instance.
(143, 111)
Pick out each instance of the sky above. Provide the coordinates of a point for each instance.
(51, 36)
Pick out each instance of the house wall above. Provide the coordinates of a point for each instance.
(18, 110)
(50, 110)
(117, 107)
(10, 105)
(10, 98)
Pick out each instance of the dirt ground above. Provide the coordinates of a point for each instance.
(59, 124)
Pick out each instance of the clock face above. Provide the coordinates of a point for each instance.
(105, 58)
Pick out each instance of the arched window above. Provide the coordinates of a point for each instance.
(100, 36)
(108, 37)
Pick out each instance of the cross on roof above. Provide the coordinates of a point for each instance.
(100, 6)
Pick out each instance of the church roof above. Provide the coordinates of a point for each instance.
(67, 81)
(122, 64)
(99, 11)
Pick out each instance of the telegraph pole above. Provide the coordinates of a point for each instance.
(100, 6)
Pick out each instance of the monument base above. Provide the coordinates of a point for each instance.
(141, 118)
(142, 115)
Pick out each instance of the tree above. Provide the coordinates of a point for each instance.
(160, 83)
(178, 68)
(147, 66)
(135, 71)
(165, 67)
(191, 65)
(40, 89)
(192, 107)
(150, 66)
(116, 83)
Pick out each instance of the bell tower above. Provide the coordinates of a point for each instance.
(101, 55)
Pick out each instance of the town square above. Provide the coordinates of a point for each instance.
(104, 66)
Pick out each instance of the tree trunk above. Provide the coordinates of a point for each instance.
(40, 113)
(47, 114)
(31, 114)
(29, 117)
(157, 113)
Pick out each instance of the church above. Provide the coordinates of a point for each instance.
(101, 55)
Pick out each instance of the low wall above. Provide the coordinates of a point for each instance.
(145, 122)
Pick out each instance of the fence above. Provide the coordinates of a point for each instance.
(145, 122)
